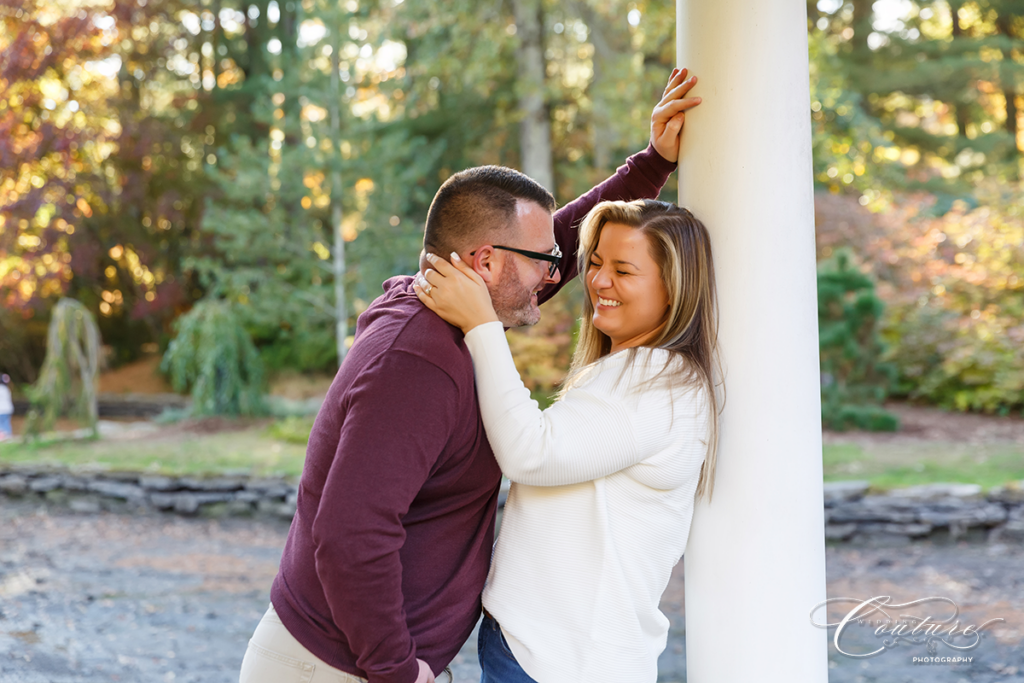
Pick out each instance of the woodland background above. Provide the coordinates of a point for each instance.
(260, 167)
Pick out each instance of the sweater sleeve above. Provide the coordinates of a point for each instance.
(591, 432)
(378, 470)
(641, 177)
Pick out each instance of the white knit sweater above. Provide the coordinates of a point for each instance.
(598, 514)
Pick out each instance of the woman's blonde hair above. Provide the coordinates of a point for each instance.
(681, 246)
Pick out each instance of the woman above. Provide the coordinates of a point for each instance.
(604, 480)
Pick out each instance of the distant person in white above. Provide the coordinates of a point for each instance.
(604, 480)
(6, 408)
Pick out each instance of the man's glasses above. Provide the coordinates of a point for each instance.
(553, 259)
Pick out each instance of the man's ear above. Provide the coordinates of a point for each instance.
(486, 263)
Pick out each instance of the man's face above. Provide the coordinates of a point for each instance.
(514, 294)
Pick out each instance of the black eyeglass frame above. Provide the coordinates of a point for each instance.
(553, 258)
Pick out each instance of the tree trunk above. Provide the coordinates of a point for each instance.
(1009, 90)
(535, 128)
(286, 26)
(862, 13)
(1011, 115)
(255, 39)
(288, 34)
(340, 311)
(813, 13)
(602, 132)
(961, 109)
(217, 31)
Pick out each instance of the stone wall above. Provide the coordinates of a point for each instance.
(938, 512)
(126, 405)
(86, 490)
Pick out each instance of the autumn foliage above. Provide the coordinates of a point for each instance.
(48, 145)
(156, 153)
(954, 289)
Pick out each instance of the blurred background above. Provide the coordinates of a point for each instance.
(199, 197)
(217, 188)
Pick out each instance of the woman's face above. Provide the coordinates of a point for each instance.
(625, 287)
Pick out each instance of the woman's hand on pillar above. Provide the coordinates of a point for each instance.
(669, 115)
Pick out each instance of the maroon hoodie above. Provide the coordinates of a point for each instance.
(391, 541)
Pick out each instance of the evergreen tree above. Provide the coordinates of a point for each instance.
(854, 379)
(943, 82)
(272, 221)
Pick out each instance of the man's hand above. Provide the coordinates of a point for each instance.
(669, 114)
(426, 675)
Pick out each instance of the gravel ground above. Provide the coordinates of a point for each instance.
(105, 597)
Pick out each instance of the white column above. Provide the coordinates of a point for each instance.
(755, 563)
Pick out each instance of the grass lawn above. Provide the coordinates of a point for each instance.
(279, 448)
(258, 450)
(896, 465)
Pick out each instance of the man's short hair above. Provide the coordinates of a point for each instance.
(477, 205)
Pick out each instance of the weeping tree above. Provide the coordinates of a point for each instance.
(214, 358)
(70, 374)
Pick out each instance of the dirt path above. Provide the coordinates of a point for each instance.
(158, 598)
(923, 424)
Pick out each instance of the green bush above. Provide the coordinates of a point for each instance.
(854, 379)
(956, 326)
(868, 417)
(959, 362)
(214, 357)
(306, 348)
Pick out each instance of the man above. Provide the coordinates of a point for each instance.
(381, 575)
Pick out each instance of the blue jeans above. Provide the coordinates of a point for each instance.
(5, 424)
(497, 663)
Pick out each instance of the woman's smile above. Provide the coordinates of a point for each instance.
(626, 287)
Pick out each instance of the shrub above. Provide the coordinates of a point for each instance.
(70, 374)
(214, 357)
(960, 362)
(957, 327)
(953, 287)
(855, 380)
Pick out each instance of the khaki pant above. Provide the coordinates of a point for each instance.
(274, 656)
